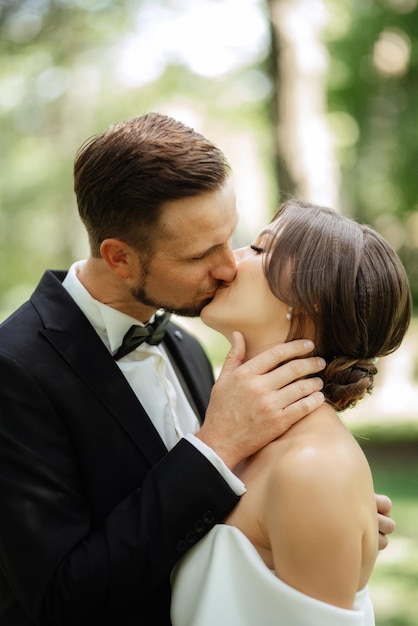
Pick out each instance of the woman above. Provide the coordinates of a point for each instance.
(299, 548)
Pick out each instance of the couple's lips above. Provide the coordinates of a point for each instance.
(212, 294)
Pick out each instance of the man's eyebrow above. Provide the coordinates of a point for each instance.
(205, 252)
(216, 245)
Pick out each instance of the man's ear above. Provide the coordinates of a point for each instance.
(119, 256)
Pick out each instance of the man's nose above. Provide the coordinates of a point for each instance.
(226, 269)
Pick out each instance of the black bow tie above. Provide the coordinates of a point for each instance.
(151, 333)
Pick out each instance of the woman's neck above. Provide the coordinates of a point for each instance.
(255, 345)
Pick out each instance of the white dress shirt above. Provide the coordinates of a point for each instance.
(150, 374)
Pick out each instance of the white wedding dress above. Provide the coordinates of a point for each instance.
(222, 581)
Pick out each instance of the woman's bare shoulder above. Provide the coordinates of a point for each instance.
(318, 506)
(320, 440)
(320, 470)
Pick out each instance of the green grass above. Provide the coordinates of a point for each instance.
(394, 583)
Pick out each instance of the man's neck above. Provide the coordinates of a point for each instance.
(103, 285)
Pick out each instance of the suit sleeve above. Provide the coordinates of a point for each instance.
(63, 563)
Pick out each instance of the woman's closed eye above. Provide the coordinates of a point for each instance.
(257, 249)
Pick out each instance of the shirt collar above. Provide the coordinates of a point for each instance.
(109, 323)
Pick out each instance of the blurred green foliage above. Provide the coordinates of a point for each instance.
(373, 105)
(393, 585)
(59, 84)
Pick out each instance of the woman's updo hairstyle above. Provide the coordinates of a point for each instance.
(347, 280)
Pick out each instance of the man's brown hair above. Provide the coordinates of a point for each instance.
(123, 176)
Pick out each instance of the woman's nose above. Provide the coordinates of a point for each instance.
(240, 253)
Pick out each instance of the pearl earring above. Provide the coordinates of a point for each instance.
(289, 313)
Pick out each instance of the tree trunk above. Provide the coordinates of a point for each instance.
(306, 163)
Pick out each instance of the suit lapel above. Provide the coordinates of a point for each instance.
(70, 333)
(199, 381)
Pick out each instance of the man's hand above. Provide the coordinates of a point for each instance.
(255, 402)
(386, 523)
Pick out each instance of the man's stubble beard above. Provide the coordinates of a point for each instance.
(141, 295)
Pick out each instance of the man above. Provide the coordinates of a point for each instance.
(107, 471)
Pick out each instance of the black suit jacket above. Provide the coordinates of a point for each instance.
(94, 510)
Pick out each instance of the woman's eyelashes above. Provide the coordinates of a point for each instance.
(257, 249)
